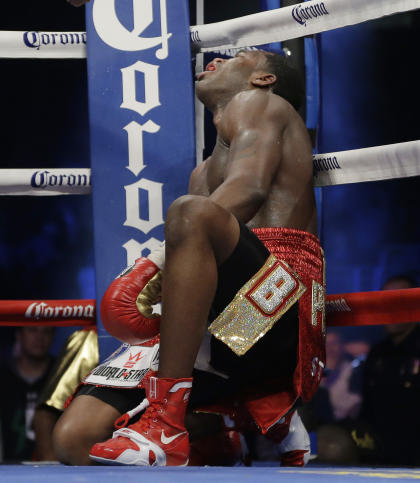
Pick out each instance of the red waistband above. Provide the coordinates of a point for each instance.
(300, 249)
(283, 237)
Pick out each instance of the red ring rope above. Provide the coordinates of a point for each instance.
(373, 308)
(48, 312)
(348, 309)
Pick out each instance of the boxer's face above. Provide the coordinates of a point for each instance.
(231, 76)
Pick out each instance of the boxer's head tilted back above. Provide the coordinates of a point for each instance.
(254, 69)
(289, 84)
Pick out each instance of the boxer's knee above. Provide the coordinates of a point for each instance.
(86, 421)
(195, 216)
(69, 441)
(188, 213)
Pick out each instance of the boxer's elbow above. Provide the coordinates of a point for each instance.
(243, 199)
(257, 196)
(252, 203)
(246, 204)
(253, 199)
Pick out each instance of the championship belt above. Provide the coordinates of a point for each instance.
(258, 305)
(126, 367)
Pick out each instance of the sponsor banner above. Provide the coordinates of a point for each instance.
(126, 367)
(369, 164)
(45, 182)
(47, 312)
(286, 23)
(43, 45)
(141, 105)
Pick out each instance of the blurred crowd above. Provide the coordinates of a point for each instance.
(366, 409)
(25, 373)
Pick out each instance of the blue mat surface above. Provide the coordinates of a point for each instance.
(119, 474)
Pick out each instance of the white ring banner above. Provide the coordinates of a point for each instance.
(45, 182)
(276, 25)
(379, 163)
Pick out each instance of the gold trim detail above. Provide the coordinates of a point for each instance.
(258, 305)
(318, 304)
(149, 296)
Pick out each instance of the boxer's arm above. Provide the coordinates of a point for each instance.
(198, 180)
(255, 153)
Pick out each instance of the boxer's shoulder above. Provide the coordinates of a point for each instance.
(254, 109)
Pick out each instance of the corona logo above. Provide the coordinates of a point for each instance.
(41, 310)
(303, 14)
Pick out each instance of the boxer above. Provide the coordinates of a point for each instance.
(240, 252)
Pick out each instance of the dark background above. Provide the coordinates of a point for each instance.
(369, 97)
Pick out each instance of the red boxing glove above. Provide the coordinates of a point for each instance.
(126, 307)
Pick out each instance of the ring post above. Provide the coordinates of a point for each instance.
(141, 128)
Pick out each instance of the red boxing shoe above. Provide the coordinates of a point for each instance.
(159, 438)
(293, 440)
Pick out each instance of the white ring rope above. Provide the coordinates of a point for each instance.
(42, 45)
(391, 161)
(45, 182)
(369, 164)
(292, 22)
(285, 23)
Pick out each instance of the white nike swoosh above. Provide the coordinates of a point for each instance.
(166, 440)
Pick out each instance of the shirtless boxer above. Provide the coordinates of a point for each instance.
(259, 175)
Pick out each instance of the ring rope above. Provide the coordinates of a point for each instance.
(276, 25)
(291, 22)
(373, 308)
(48, 312)
(378, 163)
(45, 181)
(42, 45)
(368, 164)
(347, 309)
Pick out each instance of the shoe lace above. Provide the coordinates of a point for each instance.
(123, 420)
(150, 416)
